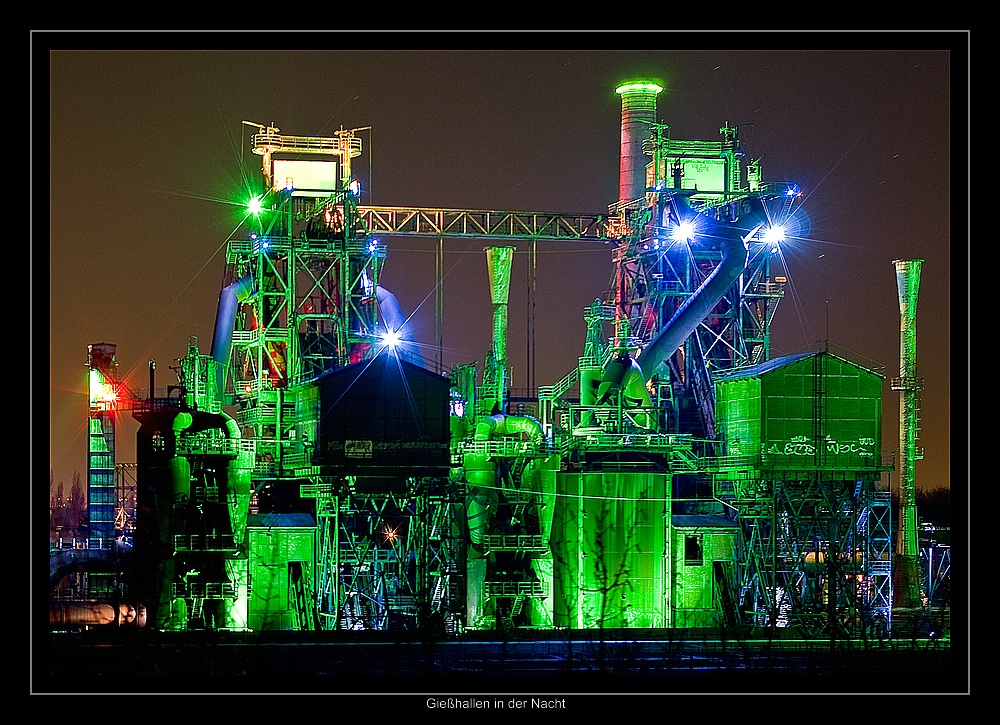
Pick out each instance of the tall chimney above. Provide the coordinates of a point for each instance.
(638, 117)
(498, 262)
(907, 570)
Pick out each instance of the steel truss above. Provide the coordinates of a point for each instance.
(384, 560)
(388, 561)
(814, 556)
(653, 276)
(544, 226)
(312, 307)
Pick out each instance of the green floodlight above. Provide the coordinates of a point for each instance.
(255, 206)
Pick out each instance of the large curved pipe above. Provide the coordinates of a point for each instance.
(735, 259)
(239, 471)
(480, 499)
(480, 473)
(225, 319)
(503, 424)
(238, 480)
(624, 373)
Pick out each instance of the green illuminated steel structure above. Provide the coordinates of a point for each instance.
(110, 492)
(656, 269)
(302, 298)
(909, 385)
(683, 309)
(306, 475)
(308, 301)
(107, 397)
(690, 309)
(802, 468)
(193, 498)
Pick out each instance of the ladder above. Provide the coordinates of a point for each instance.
(438, 595)
(197, 608)
(518, 606)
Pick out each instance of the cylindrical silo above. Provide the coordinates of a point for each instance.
(638, 116)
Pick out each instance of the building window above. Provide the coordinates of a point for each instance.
(692, 551)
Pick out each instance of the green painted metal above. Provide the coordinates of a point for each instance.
(698, 591)
(610, 549)
(909, 387)
(278, 554)
(571, 521)
(803, 468)
(496, 374)
(815, 411)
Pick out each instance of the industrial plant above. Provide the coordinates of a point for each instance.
(308, 473)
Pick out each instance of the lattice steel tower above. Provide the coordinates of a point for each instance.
(302, 298)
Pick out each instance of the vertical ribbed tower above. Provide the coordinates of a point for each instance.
(638, 116)
(498, 262)
(907, 576)
(103, 386)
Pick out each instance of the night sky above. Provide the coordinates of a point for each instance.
(147, 153)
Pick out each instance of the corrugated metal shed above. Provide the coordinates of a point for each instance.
(384, 419)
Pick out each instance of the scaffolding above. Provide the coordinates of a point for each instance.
(387, 561)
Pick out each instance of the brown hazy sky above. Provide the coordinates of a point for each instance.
(146, 147)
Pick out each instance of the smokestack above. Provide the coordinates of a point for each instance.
(498, 262)
(907, 574)
(638, 117)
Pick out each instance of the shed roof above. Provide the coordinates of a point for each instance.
(280, 520)
(777, 363)
(767, 366)
(714, 521)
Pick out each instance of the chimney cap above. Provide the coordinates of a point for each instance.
(639, 85)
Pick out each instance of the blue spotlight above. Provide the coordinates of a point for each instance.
(683, 232)
(391, 340)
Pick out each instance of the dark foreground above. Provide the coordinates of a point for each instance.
(120, 661)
